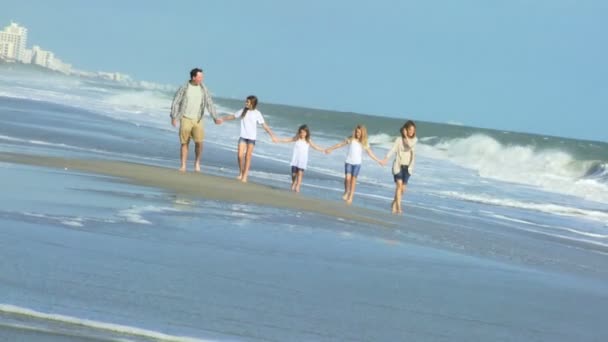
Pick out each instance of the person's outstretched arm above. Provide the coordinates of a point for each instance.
(338, 145)
(315, 146)
(373, 156)
(228, 117)
(269, 131)
(286, 140)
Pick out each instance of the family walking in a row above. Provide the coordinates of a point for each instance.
(193, 98)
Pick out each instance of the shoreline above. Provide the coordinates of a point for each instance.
(203, 186)
(434, 230)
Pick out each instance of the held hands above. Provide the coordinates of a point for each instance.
(327, 151)
(383, 162)
(218, 121)
(174, 122)
(274, 139)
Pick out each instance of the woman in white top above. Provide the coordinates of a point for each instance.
(250, 118)
(356, 144)
(299, 158)
(403, 166)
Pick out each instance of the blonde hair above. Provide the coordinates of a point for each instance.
(363, 140)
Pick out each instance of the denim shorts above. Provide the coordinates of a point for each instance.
(246, 141)
(352, 169)
(403, 175)
(295, 169)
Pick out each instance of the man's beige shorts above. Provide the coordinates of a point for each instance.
(190, 128)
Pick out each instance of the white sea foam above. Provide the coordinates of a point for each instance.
(381, 139)
(70, 221)
(570, 230)
(554, 209)
(135, 214)
(13, 310)
(551, 170)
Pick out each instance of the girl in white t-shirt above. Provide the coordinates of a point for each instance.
(299, 158)
(403, 166)
(250, 118)
(356, 144)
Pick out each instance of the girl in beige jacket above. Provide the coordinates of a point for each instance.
(405, 158)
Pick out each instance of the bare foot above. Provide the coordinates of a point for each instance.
(298, 188)
(239, 177)
(394, 207)
(293, 187)
(345, 196)
(197, 167)
(398, 206)
(349, 201)
(244, 179)
(182, 169)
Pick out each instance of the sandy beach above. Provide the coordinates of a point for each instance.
(202, 185)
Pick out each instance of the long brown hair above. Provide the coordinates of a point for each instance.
(254, 104)
(305, 129)
(408, 123)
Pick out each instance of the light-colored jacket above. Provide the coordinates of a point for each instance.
(404, 149)
(180, 103)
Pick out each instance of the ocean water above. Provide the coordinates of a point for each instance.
(504, 236)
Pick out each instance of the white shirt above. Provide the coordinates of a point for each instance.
(195, 97)
(249, 123)
(355, 152)
(300, 154)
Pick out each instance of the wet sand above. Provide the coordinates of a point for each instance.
(205, 186)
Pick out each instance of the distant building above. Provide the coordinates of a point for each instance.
(58, 65)
(42, 57)
(27, 56)
(13, 42)
(13, 48)
(7, 50)
(48, 60)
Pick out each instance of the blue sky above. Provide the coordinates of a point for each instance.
(534, 66)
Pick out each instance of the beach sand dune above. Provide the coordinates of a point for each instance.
(204, 186)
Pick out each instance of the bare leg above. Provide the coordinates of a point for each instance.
(396, 205)
(240, 158)
(247, 162)
(347, 178)
(353, 185)
(403, 187)
(299, 180)
(198, 149)
(183, 156)
(294, 178)
(398, 195)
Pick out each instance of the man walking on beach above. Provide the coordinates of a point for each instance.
(188, 107)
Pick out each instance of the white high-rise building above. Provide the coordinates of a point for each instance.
(58, 65)
(17, 36)
(42, 57)
(27, 56)
(7, 49)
